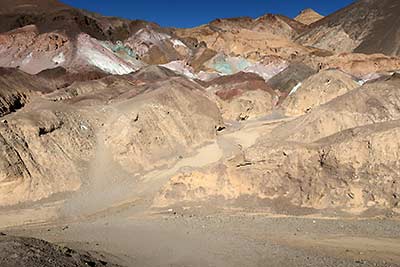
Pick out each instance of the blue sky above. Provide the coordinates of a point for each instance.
(180, 13)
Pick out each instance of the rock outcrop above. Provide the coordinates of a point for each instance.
(290, 77)
(362, 66)
(349, 164)
(243, 96)
(43, 153)
(300, 114)
(48, 146)
(369, 104)
(308, 16)
(317, 90)
(266, 35)
(159, 124)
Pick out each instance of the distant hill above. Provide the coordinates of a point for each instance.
(367, 26)
(308, 16)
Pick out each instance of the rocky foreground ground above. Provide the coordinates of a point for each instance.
(20, 251)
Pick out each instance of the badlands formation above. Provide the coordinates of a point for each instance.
(264, 141)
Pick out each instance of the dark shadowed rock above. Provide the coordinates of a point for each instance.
(367, 26)
(21, 251)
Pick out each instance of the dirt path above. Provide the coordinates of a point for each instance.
(109, 187)
(220, 239)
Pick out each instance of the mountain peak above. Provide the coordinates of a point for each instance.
(308, 16)
(29, 6)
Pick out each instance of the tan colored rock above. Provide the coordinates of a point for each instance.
(42, 154)
(49, 147)
(249, 105)
(352, 171)
(25, 48)
(156, 127)
(369, 104)
(317, 90)
(342, 155)
(15, 90)
(242, 96)
(308, 16)
(265, 36)
(359, 65)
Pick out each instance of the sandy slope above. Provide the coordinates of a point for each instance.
(119, 220)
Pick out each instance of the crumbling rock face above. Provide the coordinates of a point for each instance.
(157, 47)
(247, 105)
(290, 77)
(352, 171)
(342, 155)
(145, 119)
(42, 153)
(267, 35)
(364, 67)
(158, 125)
(26, 49)
(11, 103)
(242, 96)
(140, 97)
(16, 89)
(369, 104)
(317, 90)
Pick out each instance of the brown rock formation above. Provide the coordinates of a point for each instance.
(308, 16)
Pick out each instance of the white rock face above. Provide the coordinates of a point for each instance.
(105, 63)
(177, 43)
(27, 59)
(101, 57)
(294, 90)
(59, 59)
(180, 68)
(227, 65)
(266, 71)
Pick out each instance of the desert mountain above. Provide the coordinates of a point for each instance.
(147, 143)
(30, 6)
(308, 16)
(141, 96)
(250, 38)
(320, 166)
(367, 26)
(52, 15)
(146, 96)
